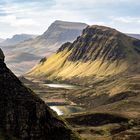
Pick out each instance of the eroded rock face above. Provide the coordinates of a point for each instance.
(98, 42)
(24, 115)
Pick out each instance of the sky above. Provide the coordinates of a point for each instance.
(34, 16)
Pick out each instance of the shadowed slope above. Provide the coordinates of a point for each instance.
(23, 115)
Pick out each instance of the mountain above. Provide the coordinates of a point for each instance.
(23, 115)
(137, 36)
(16, 39)
(99, 52)
(58, 33)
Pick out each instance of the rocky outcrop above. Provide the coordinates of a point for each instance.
(23, 115)
(64, 46)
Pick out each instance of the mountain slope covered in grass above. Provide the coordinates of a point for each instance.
(99, 52)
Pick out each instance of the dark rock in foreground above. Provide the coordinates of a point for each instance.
(23, 115)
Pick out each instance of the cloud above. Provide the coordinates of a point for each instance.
(15, 22)
(126, 20)
(34, 16)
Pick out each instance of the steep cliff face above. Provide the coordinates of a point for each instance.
(23, 115)
(98, 42)
(100, 51)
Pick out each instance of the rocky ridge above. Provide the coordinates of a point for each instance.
(99, 51)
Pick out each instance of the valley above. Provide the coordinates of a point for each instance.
(122, 101)
(54, 95)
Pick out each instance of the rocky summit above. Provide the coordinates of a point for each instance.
(23, 115)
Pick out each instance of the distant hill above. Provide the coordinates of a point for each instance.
(58, 33)
(100, 51)
(134, 35)
(16, 39)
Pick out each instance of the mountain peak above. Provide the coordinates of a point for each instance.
(68, 22)
(63, 31)
(59, 26)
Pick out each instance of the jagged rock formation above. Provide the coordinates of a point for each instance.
(58, 33)
(100, 51)
(23, 115)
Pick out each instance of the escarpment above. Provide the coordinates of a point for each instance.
(100, 51)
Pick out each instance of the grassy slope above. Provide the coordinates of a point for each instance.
(57, 66)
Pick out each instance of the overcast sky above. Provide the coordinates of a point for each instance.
(34, 16)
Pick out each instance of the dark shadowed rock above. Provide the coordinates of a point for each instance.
(1, 55)
(23, 115)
